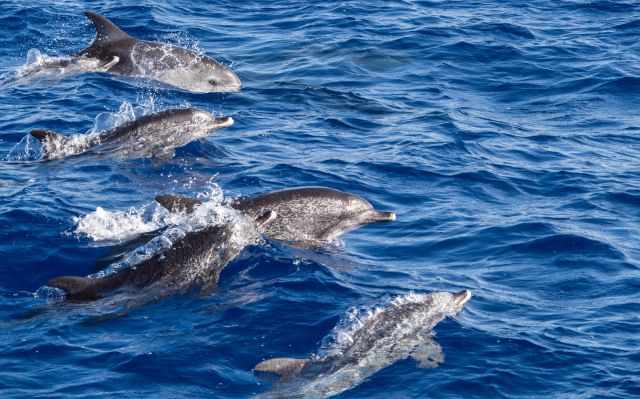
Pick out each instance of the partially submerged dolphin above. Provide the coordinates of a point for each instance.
(154, 135)
(114, 51)
(399, 331)
(306, 215)
(195, 259)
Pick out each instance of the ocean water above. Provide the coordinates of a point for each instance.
(505, 135)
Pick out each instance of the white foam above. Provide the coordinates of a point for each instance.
(108, 226)
(39, 65)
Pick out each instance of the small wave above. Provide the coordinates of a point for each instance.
(504, 29)
(627, 85)
(568, 243)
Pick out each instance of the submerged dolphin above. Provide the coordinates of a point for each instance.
(154, 135)
(195, 259)
(114, 51)
(399, 331)
(305, 215)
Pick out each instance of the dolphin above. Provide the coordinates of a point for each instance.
(114, 51)
(403, 329)
(155, 135)
(305, 216)
(194, 258)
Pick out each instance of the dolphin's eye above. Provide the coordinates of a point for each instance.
(213, 82)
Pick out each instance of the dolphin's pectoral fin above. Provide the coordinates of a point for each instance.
(429, 355)
(174, 203)
(283, 366)
(43, 135)
(108, 65)
(75, 287)
(265, 218)
(163, 156)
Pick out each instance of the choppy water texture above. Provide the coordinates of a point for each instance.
(505, 136)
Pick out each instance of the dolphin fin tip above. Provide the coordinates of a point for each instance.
(43, 135)
(282, 366)
(174, 203)
(105, 29)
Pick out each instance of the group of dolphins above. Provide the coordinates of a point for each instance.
(305, 216)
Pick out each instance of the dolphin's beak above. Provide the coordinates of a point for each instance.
(378, 216)
(224, 121)
(462, 297)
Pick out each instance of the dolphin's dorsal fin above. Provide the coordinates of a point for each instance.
(265, 218)
(82, 288)
(106, 31)
(283, 366)
(174, 203)
(43, 135)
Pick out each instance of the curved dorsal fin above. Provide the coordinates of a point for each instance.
(174, 203)
(43, 135)
(106, 31)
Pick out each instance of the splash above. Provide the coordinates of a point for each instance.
(27, 149)
(39, 65)
(116, 226)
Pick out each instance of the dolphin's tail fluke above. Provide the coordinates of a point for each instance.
(75, 287)
(283, 366)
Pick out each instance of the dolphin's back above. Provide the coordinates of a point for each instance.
(198, 257)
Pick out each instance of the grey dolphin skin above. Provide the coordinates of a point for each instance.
(114, 51)
(197, 258)
(399, 331)
(154, 135)
(122, 54)
(306, 215)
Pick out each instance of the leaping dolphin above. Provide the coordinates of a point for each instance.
(114, 51)
(399, 331)
(155, 135)
(306, 216)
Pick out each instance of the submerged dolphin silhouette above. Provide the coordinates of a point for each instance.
(154, 135)
(114, 51)
(399, 331)
(303, 215)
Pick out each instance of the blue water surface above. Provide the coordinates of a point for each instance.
(506, 136)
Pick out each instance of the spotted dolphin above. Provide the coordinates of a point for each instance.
(154, 135)
(194, 258)
(116, 52)
(308, 216)
(401, 330)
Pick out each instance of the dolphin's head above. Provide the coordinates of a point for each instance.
(223, 79)
(448, 303)
(207, 120)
